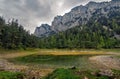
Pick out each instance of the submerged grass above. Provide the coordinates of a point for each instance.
(55, 61)
(56, 58)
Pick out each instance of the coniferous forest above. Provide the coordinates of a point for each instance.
(14, 36)
(99, 32)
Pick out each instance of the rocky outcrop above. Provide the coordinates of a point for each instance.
(81, 14)
(43, 31)
(77, 16)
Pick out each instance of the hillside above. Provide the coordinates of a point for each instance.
(78, 16)
(101, 31)
(98, 27)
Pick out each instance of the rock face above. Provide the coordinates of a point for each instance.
(43, 30)
(77, 16)
(115, 0)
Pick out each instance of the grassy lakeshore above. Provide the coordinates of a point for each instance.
(46, 61)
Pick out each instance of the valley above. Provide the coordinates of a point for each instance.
(83, 43)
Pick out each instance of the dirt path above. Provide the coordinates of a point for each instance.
(107, 61)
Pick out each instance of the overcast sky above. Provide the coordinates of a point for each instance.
(32, 13)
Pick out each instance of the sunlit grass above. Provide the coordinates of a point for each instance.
(20, 53)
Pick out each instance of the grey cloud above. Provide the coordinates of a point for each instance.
(32, 13)
(74, 2)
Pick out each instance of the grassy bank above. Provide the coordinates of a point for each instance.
(54, 58)
(11, 75)
(47, 60)
(77, 74)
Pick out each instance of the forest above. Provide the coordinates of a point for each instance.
(14, 36)
(98, 32)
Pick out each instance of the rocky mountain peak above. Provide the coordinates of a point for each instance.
(43, 30)
(78, 16)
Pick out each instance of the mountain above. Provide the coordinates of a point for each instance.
(78, 16)
(95, 25)
(43, 30)
(99, 32)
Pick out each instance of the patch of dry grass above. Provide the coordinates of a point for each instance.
(17, 54)
(69, 52)
(14, 54)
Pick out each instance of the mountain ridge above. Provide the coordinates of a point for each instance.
(79, 15)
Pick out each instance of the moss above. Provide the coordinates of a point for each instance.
(62, 74)
(11, 75)
(73, 74)
(116, 73)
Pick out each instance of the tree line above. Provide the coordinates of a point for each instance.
(14, 36)
(99, 32)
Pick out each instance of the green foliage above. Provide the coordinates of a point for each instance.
(73, 74)
(103, 77)
(10, 75)
(62, 74)
(13, 36)
(116, 73)
(99, 32)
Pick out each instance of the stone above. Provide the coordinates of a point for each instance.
(43, 31)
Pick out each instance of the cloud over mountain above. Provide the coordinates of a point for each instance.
(32, 13)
